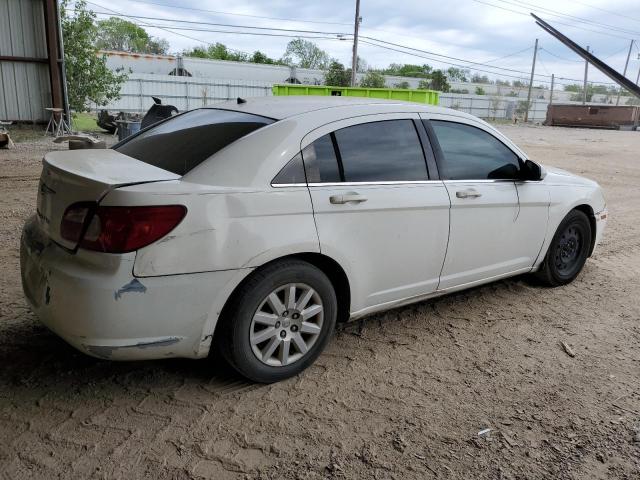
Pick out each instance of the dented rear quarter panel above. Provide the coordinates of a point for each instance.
(224, 229)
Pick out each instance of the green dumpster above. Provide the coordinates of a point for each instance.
(430, 97)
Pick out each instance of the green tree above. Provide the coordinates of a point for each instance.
(118, 34)
(477, 78)
(373, 79)
(457, 74)
(259, 57)
(439, 81)
(217, 51)
(480, 91)
(408, 70)
(305, 54)
(336, 75)
(88, 78)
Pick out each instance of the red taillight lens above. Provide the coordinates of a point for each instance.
(125, 229)
(73, 220)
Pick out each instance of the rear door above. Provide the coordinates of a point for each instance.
(489, 237)
(376, 209)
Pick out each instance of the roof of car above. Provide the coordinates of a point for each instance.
(283, 107)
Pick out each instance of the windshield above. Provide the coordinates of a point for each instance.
(183, 142)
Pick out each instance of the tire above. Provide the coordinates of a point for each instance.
(567, 252)
(256, 326)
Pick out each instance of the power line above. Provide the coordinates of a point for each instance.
(316, 32)
(559, 57)
(462, 59)
(216, 12)
(616, 53)
(573, 18)
(317, 36)
(509, 55)
(555, 21)
(161, 28)
(465, 66)
(606, 11)
(193, 22)
(235, 32)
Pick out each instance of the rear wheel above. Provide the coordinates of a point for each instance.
(279, 321)
(568, 250)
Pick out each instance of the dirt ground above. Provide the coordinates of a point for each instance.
(401, 395)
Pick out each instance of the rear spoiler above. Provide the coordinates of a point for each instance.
(620, 79)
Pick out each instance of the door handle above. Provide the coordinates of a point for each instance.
(347, 198)
(468, 193)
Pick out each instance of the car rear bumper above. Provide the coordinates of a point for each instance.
(93, 301)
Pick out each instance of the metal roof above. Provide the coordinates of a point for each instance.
(284, 107)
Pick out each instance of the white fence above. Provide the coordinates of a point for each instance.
(494, 107)
(188, 92)
(185, 93)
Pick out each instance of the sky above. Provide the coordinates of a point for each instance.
(498, 32)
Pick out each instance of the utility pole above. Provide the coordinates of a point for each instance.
(533, 71)
(626, 65)
(638, 77)
(354, 61)
(553, 80)
(584, 87)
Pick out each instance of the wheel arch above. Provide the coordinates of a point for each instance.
(588, 211)
(330, 267)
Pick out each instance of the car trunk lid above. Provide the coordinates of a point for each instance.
(70, 177)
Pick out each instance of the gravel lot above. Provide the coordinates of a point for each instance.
(400, 395)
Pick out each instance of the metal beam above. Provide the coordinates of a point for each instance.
(53, 52)
(592, 59)
(9, 58)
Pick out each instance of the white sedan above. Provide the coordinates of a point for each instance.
(254, 226)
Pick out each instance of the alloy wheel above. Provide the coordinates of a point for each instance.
(286, 325)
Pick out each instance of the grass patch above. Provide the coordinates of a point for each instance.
(85, 122)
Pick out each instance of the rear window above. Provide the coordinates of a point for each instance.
(183, 142)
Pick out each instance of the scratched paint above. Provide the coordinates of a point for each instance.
(106, 351)
(134, 286)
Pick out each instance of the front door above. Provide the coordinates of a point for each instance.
(490, 236)
(376, 210)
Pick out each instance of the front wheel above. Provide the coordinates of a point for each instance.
(279, 321)
(568, 250)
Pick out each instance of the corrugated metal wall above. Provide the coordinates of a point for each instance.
(25, 88)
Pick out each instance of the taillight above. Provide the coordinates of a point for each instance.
(125, 229)
(74, 219)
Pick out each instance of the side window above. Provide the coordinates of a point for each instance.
(292, 172)
(473, 154)
(321, 162)
(388, 150)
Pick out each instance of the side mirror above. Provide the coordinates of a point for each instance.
(532, 171)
